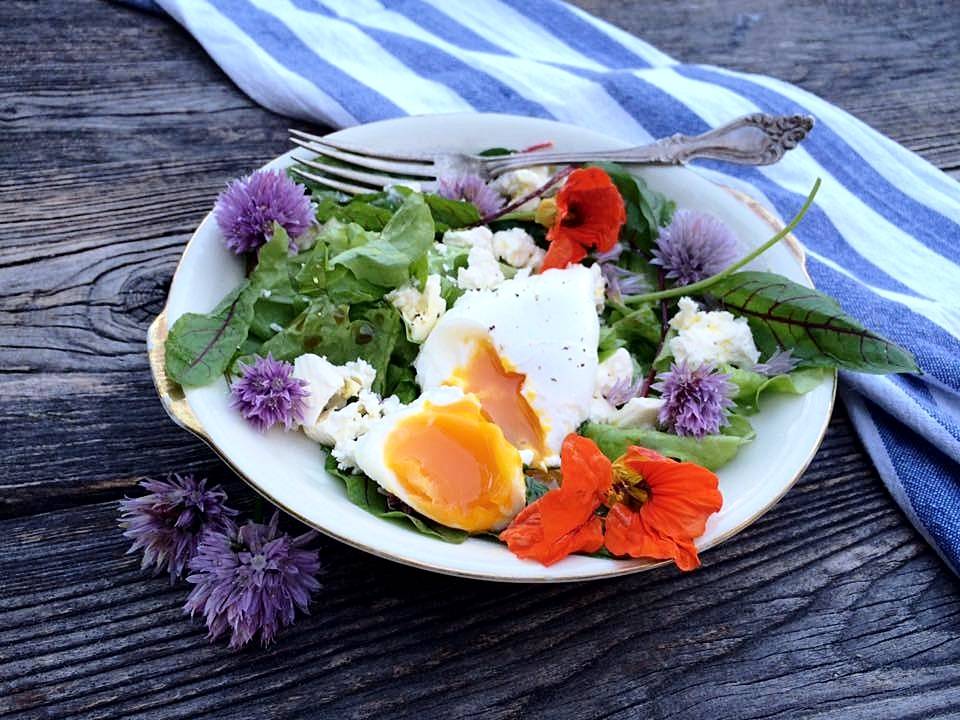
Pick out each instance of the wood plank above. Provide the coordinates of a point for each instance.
(830, 604)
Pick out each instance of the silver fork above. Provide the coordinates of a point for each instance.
(757, 139)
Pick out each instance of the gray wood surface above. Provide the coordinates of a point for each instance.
(116, 133)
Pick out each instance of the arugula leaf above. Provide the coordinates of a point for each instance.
(365, 493)
(201, 346)
(786, 314)
(711, 451)
(751, 385)
(647, 210)
(386, 260)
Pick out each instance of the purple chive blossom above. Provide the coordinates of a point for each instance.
(247, 209)
(693, 247)
(168, 523)
(780, 363)
(473, 189)
(623, 391)
(252, 579)
(619, 280)
(267, 394)
(695, 399)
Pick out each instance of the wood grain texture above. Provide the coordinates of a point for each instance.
(116, 133)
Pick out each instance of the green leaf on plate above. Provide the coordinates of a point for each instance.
(365, 493)
(711, 451)
(200, 346)
(385, 260)
(451, 214)
(751, 385)
(341, 334)
(791, 316)
(536, 489)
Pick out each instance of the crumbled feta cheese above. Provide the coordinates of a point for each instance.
(324, 383)
(516, 247)
(357, 375)
(419, 310)
(480, 236)
(616, 369)
(601, 410)
(599, 287)
(329, 386)
(526, 456)
(517, 183)
(638, 412)
(711, 337)
(483, 272)
(341, 428)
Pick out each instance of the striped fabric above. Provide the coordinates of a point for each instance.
(883, 238)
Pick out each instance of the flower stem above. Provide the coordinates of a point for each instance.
(698, 287)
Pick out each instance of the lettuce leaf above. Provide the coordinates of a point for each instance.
(712, 451)
(752, 385)
(365, 493)
(385, 260)
(341, 334)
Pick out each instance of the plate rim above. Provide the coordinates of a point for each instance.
(175, 404)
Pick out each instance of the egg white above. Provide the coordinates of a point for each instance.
(544, 326)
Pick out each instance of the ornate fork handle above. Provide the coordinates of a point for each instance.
(757, 139)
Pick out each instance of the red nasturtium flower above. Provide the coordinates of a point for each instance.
(656, 507)
(589, 215)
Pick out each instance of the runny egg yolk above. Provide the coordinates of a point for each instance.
(499, 393)
(455, 466)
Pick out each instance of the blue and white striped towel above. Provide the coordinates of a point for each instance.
(883, 238)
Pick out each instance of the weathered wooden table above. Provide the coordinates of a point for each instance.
(117, 132)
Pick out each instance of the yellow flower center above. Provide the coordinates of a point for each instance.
(629, 487)
(546, 213)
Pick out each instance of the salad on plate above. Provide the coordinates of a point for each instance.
(558, 360)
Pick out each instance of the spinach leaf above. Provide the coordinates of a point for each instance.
(711, 451)
(647, 210)
(794, 317)
(365, 493)
(751, 385)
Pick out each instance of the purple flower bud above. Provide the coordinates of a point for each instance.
(251, 580)
(695, 399)
(693, 247)
(267, 394)
(168, 523)
(247, 209)
(473, 189)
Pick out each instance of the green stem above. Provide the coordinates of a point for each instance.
(698, 287)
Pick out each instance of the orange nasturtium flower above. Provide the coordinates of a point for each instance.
(656, 507)
(587, 213)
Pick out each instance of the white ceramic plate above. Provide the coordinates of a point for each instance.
(287, 468)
